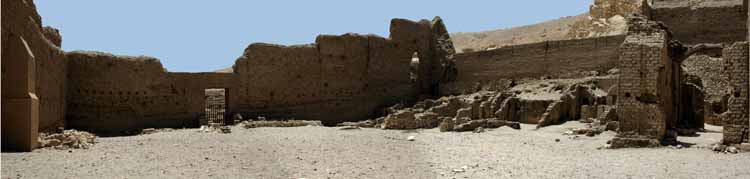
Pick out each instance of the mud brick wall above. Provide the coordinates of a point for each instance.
(338, 78)
(703, 21)
(714, 82)
(736, 119)
(20, 19)
(33, 76)
(108, 93)
(493, 69)
(644, 89)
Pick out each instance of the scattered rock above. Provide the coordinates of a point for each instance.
(279, 123)
(148, 131)
(447, 124)
(427, 120)
(361, 124)
(403, 119)
(461, 170)
(732, 150)
(225, 129)
(349, 128)
(67, 139)
(469, 125)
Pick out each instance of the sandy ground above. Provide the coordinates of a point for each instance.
(321, 152)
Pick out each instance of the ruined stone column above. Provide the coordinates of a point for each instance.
(736, 119)
(20, 105)
(645, 94)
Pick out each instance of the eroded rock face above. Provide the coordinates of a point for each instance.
(606, 17)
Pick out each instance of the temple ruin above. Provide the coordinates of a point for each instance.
(675, 69)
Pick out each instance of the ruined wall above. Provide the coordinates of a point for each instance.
(736, 119)
(116, 93)
(338, 78)
(702, 21)
(494, 69)
(350, 74)
(713, 81)
(646, 84)
(32, 74)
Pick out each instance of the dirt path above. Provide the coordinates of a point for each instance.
(320, 152)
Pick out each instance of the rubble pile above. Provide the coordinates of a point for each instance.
(605, 121)
(68, 139)
(543, 102)
(727, 149)
(272, 123)
(215, 128)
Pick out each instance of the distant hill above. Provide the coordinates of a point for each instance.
(605, 17)
(225, 70)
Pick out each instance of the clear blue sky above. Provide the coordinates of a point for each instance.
(203, 35)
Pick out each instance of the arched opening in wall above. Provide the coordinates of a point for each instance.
(414, 67)
(215, 107)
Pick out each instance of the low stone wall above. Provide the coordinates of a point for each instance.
(703, 21)
(495, 69)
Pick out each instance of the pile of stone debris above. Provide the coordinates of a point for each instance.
(455, 113)
(725, 149)
(215, 128)
(262, 122)
(595, 126)
(545, 102)
(67, 139)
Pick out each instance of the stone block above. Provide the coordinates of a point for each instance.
(20, 123)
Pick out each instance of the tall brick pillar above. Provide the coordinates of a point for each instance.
(646, 87)
(20, 105)
(735, 121)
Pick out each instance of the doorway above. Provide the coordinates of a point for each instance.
(216, 106)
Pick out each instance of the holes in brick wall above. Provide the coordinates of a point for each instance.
(627, 95)
(325, 84)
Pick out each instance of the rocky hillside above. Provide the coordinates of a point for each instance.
(605, 17)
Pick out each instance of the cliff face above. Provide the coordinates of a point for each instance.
(605, 18)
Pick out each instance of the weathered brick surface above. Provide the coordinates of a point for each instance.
(702, 21)
(494, 69)
(714, 81)
(736, 118)
(645, 99)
